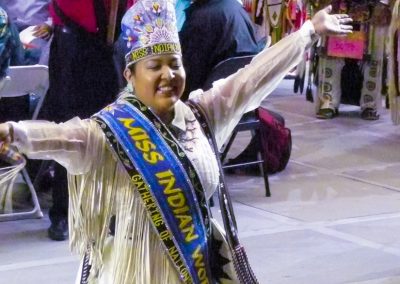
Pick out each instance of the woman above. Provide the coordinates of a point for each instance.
(145, 158)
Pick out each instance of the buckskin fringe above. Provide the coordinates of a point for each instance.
(135, 254)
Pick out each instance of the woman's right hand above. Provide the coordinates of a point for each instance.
(5, 133)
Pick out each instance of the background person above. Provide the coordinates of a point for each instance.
(213, 31)
(11, 53)
(352, 79)
(35, 14)
(230, 33)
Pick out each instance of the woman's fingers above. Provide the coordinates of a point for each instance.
(346, 27)
(341, 16)
(42, 31)
(345, 20)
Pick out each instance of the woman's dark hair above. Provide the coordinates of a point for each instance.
(132, 67)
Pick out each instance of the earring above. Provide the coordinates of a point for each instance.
(129, 88)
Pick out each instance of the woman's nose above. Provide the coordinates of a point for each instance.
(167, 73)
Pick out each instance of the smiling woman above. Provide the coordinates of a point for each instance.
(145, 160)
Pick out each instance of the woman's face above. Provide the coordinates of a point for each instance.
(159, 82)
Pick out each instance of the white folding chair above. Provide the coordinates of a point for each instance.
(22, 80)
(4, 82)
(29, 79)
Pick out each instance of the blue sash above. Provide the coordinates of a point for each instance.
(165, 180)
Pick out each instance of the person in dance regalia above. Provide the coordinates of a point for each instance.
(145, 160)
(344, 77)
(394, 61)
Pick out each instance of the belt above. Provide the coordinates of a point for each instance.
(74, 30)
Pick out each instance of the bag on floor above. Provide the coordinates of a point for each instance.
(276, 140)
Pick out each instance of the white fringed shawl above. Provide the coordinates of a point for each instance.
(135, 254)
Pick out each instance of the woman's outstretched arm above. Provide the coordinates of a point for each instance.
(75, 144)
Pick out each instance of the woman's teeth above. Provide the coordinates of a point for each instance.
(165, 89)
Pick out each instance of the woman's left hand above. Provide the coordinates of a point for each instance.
(336, 24)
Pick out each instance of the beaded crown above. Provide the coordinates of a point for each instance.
(149, 28)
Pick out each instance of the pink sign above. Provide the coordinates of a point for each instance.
(350, 46)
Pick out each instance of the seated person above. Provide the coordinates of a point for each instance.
(32, 15)
(214, 30)
(11, 53)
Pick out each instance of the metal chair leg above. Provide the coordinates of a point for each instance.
(266, 181)
(227, 146)
(36, 212)
(264, 169)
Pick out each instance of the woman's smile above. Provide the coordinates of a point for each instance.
(167, 90)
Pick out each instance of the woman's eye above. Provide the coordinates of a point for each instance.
(176, 65)
(153, 66)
